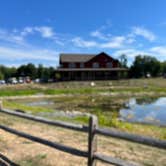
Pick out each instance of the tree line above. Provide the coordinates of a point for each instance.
(142, 66)
(41, 72)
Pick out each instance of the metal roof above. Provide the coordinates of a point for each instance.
(76, 57)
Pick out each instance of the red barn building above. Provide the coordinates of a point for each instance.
(89, 67)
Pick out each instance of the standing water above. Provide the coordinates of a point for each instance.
(153, 112)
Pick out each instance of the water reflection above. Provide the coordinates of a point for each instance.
(40, 103)
(150, 111)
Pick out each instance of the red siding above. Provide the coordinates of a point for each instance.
(65, 65)
(102, 59)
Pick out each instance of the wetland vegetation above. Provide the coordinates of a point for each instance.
(69, 102)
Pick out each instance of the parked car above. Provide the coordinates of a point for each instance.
(27, 79)
(2, 82)
(37, 80)
(12, 80)
(20, 80)
(164, 75)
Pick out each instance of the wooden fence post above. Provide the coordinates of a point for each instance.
(92, 140)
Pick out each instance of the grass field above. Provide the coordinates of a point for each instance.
(133, 86)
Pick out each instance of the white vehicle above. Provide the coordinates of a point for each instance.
(20, 80)
(13, 80)
(2, 82)
(37, 80)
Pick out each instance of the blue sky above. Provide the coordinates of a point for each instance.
(38, 30)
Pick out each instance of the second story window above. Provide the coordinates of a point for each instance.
(109, 65)
(95, 65)
(81, 65)
(72, 65)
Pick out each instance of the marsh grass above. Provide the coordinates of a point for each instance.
(29, 109)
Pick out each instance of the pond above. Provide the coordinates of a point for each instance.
(149, 110)
(145, 111)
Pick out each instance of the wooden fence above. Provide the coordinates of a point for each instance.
(92, 129)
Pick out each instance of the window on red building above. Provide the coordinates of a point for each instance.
(72, 65)
(109, 65)
(81, 65)
(95, 65)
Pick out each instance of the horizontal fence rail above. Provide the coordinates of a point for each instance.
(66, 125)
(112, 160)
(132, 137)
(92, 129)
(83, 128)
(46, 142)
(4, 160)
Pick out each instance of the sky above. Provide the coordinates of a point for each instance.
(37, 31)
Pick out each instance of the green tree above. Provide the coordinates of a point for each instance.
(31, 70)
(51, 72)
(144, 65)
(27, 70)
(40, 71)
(123, 60)
(163, 67)
(10, 72)
(1, 76)
(21, 71)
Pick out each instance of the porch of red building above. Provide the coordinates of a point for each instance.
(64, 74)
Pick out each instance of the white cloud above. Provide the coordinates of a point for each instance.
(99, 32)
(9, 53)
(17, 36)
(131, 53)
(159, 52)
(16, 49)
(26, 31)
(130, 40)
(140, 31)
(100, 35)
(11, 37)
(115, 42)
(45, 31)
(105, 26)
(79, 42)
